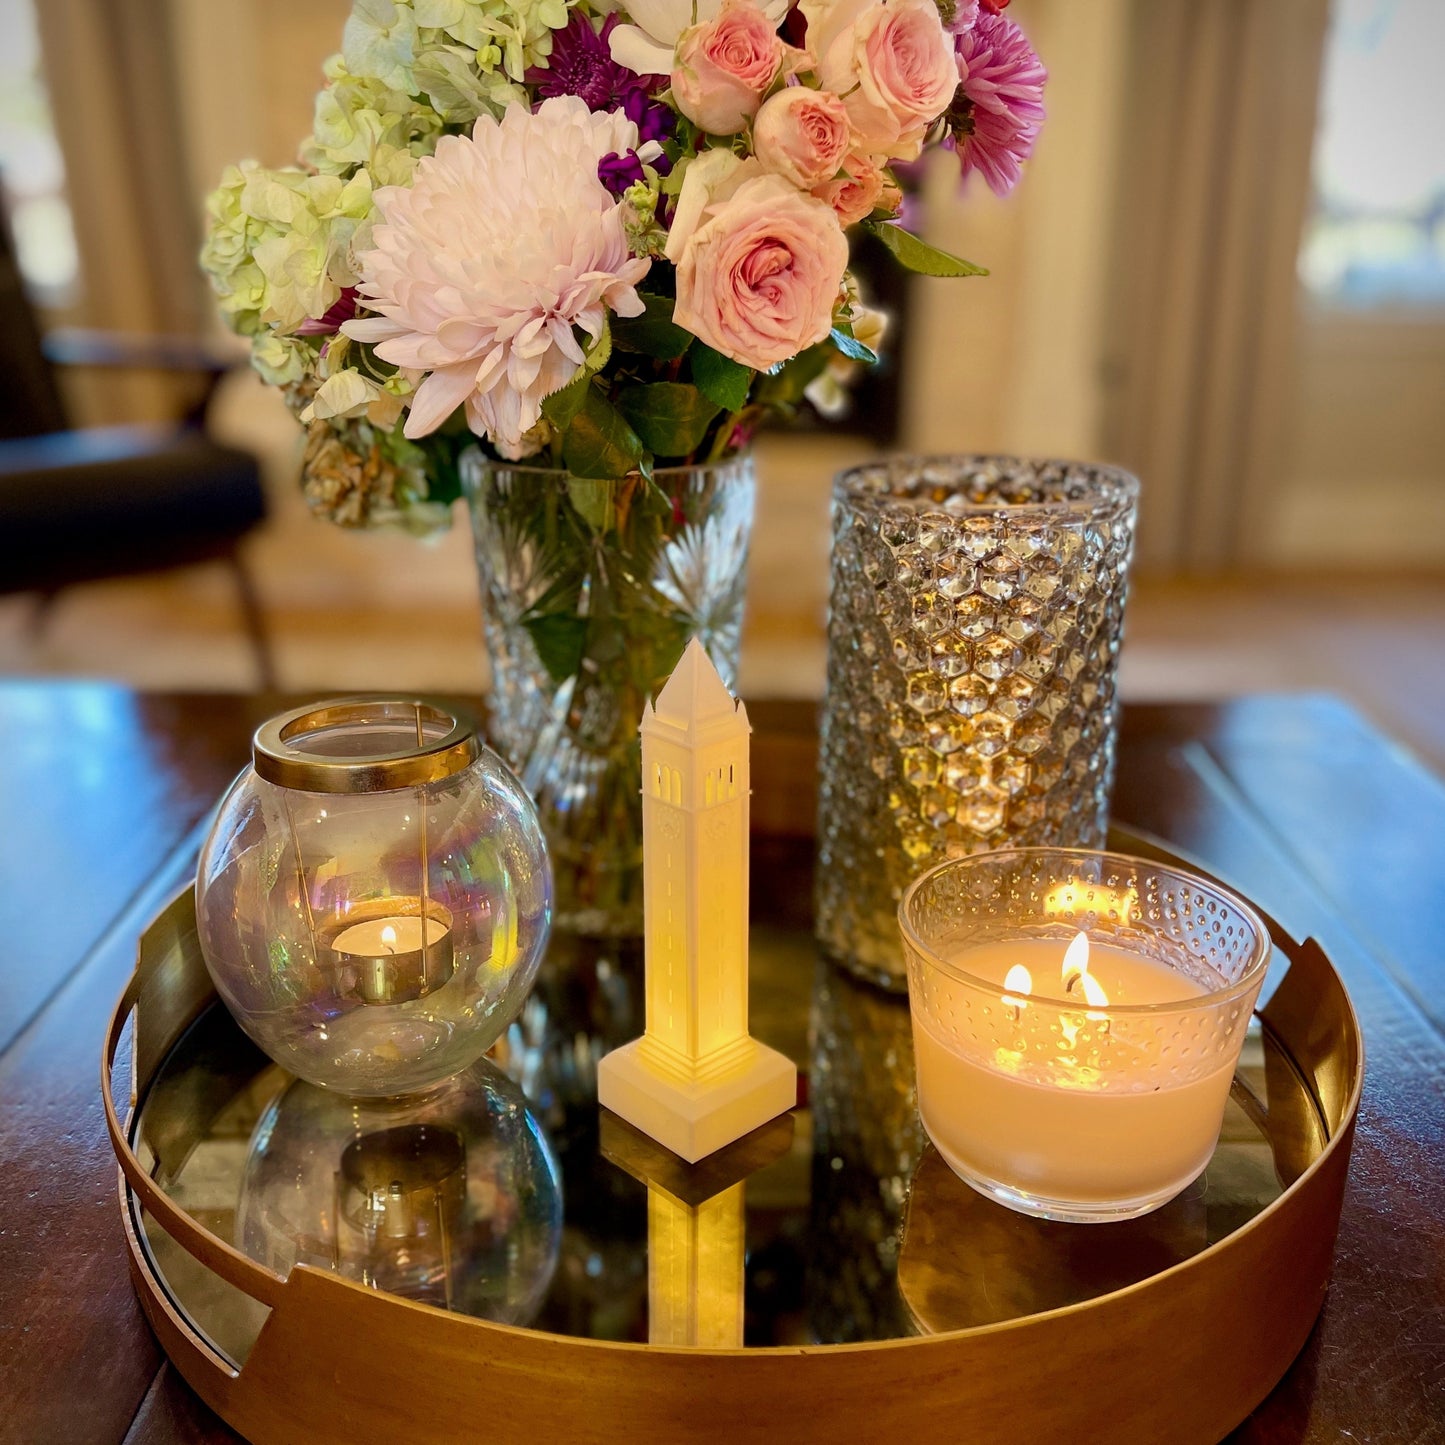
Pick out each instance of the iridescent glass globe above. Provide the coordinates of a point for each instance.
(454, 1200)
(374, 896)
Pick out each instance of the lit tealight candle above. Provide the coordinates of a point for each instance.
(389, 956)
(379, 936)
(1075, 1078)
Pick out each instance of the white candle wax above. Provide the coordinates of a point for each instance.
(378, 937)
(1079, 1106)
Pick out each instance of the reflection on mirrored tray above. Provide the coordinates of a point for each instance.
(505, 1194)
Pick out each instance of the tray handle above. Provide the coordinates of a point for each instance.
(157, 980)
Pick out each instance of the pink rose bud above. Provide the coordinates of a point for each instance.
(802, 134)
(757, 280)
(724, 67)
(857, 192)
(892, 63)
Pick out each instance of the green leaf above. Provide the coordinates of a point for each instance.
(562, 406)
(720, 378)
(787, 385)
(671, 417)
(593, 501)
(599, 443)
(851, 347)
(919, 255)
(559, 640)
(654, 333)
(599, 352)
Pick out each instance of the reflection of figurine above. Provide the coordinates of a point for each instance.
(696, 1229)
(452, 1200)
(697, 1079)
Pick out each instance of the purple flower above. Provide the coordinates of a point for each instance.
(581, 63)
(617, 172)
(653, 119)
(999, 106)
(330, 323)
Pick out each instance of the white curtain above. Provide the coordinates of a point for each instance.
(1218, 127)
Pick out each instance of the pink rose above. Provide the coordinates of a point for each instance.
(891, 62)
(802, 134)
(856, 192)
(724, 67)
(757, 280)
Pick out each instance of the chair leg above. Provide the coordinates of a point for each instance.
(40, 614)
(255, 622)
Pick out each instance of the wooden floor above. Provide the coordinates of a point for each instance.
(365, 611)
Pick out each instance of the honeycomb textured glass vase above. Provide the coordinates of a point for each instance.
(590, 592)
(974, 630)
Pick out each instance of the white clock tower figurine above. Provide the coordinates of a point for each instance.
(696, 1079)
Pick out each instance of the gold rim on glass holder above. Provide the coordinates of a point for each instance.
(286, 750)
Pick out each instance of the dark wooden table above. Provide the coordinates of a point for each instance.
(103, 795)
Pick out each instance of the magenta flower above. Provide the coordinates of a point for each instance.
(617, 171)
(999, 107)
(581, 64)
(330, 323)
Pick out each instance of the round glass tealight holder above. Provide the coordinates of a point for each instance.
(1066, 1098)
(974, 627)
(374, 896)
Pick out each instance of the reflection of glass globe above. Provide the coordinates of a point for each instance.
(454, 1200)
(374, 896)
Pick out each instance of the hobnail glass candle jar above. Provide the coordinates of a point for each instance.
(1077, 1019)
(374, 896)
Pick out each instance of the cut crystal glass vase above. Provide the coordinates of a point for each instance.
(975, 622)
(590, 592)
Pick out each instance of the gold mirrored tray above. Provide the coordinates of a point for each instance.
(502, 1259)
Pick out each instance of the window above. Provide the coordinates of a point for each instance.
(1377, 234)
(32, 171)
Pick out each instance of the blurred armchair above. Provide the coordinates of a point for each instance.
(80, 505)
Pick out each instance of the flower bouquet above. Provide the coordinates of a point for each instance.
(568, 258)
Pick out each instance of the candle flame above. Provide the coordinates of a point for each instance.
(1094, 991)
(388, 938)
(1076, 961)
(1017, 980)
(1075, 973)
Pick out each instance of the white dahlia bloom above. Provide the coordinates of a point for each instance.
(482, 267)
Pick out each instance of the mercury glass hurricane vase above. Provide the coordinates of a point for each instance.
(974, 629)
(590, 592)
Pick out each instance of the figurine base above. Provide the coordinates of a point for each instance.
(694, 1118)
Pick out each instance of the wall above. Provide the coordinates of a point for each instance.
(1014, 361)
